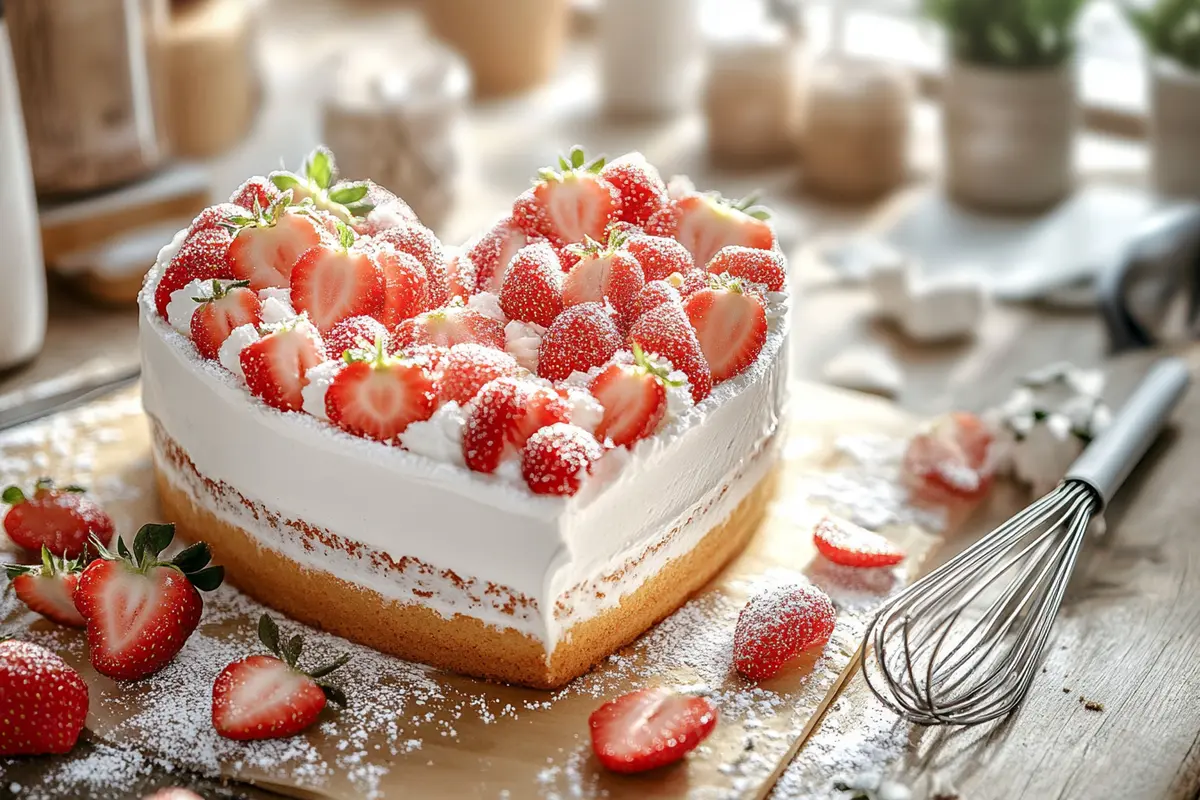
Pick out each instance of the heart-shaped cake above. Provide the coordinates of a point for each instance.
(507, 459)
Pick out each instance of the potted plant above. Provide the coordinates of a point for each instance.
(1171, 31)
(1010, 112)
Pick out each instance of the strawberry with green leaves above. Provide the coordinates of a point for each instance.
(704, 223)
(604, 272)
(47, 588)
(317, 182)
(731, 325)
(334, 280)
(569, 203)
(266, 244)
(60, 519)
(276, 366)
(634, 396)
(377, 396)
(229, 305)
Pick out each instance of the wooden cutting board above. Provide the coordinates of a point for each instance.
(411, 731)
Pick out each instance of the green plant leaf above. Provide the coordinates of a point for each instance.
(13, 495)
(122, 550)
(207, 579)
(346, 193)
(193, 558)
(319, 167)
(154, 537)
(268, 633)
(336, 664)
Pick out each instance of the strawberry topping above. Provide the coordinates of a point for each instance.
(639, 186)
(634, 396)
(582, 337)
(765, 267)
(266, 246)
(491, 253)
(569, 204)
(533, 285)
(355, 333)
(230, 306)
(405, 284)
(448, 326)
(731, 325)
(377, 396)
(502, 417)
(332, 283)
(419, 242)
(467, 367)
(659, 256)
(666, 331)
(704, 223)
(776, 624)
(556, 458)
(845, 543)
(649, 728)
(275, 365)
(604, 273)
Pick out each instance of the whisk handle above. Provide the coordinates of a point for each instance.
(1108, 460)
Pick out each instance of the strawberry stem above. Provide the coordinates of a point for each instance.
(51, 565)
(152, 539)
(289, 653)
(13, 495)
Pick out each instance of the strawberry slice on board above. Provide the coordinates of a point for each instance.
(765, 267)
(649, 728)
(502, 417)
(333, 281)
(232, 304)
(604, 272)
(666, 331)
(639, 186)
(533, 285)
(47, 588)
(448, 326)
(271, 697)
(847, 544)
(492, 252)
(139, 608)
(777, 624)
(266, 246)
(276, 365)
(377, 396)
(557, 457)
(949, 461)
(62, 520)
(731, 325)
(45, 701)
(634, 396)
(569, 203)
(704, 223)
(581, 337)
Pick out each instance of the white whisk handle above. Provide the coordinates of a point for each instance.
(1108, 460)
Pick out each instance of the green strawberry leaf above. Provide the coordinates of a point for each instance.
(192, 558)
(334, 695)
(285, 181)
(291, 650)
(268, 633)
(155, 538)
(319, 167)
(337, 663)
(13, 495)
(207, 579)
(122, 550)
(345, 235)
(346, 193)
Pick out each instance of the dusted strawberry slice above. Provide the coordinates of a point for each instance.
(333, 282)
(666, 331)
(355, 333)
(731, 325)
(230, 306)
(634, 396)
(45, 701)
(467, 367)
(377, 396)
(533, 285)
(845, 543)
(659, 256)
(604, 273)
(461, 277)
(704, 223)
(502, 417)
(60, 520)
(491, 253)
(752, 265)
(405, 285)
(556, 458)
(949, 461)
(47, 588)
(649, 728)
(275, 366)
(421, 243)
(777, 624)
(570, 204)
(639, 186)
(581, 337)
(448, 326)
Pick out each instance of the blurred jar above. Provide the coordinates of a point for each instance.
(650, 56)
(1175, 128)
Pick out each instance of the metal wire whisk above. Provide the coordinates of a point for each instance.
(962, 645)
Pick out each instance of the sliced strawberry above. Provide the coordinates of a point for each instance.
(659, 256)
(45, 701)
(448, 326)
(222, 215)
(655, 293)
(639, 186)
(665, 331)
(845, 543)
(491, 253)
(377, 396)
(355, 333)
(467, 367)
(139, 609)
(231, 305)
(634, 396)
(581, 337)
(405, 285)
(421, 243)
(265, 249)
(705, 223)
(461, 277)
(270, 697)
(569, 204)
(333, 282)
(778, 623)
(502, 417)
(604, 273)
(275, 366)
(649, 728)
(949, 461)
(532, 288)
(731, 325)
(47, 588)
(556, 458)
(61, 520)
(256, 194)
(751, 264)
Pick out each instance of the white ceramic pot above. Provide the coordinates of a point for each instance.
(1009, 135)
(1175, 129)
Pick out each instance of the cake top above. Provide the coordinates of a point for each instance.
(591, 320)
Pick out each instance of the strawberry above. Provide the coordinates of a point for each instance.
(491, 253)
(276, 364)
(256, 194)
(704, 223)
(355, 333)
(634, 396)
(778, 623)
(61, 520)
(461, 278)
(332, 282)
(567, 205)
(845, 543)
(533, 285)
(693, 281)
(556, 458)
(44, 701)
(140, 609)
(502, 417)
(639, 186)
(649, 728)
(659, 256)
(666, 332)
(949, 461)
(202, 257)
(655, 293)
(377, 396)
(421, 243)
(317, 182)
(405, 285)
(448, 326)
(266, 246)
(218, 216)
(231, 305)
(604, 273)
(385, 211)
(731, 325)
(173, 793)
(752, 265)
(270, 697)
(467, 367)
(582, 337)
(47, 588)
(428, 356)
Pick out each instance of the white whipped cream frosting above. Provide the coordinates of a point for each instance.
(183, 305)
(319, 378)
(230, 354)
(276, 305)
(440, 436)
(522, 340)
(488, 304)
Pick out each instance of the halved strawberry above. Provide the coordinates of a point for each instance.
(203, 257)
(581, 337)
(421, 243)
(704, 223)
(655, 293)
(634, 396)
(639, 186)
(47, 588)
(731, 325)
(276, 364)
(604, 272)
(377, 395)
(265, 247)
(256, 194)
(218, 216)
(502, 417)
(666, 331)
(491, 253)
(355, 333)
(332, 282)
(752, 265)
(843, 542)
(467, 367)
(659, 256)
(649, 728)
(776, 624)
(949, 461)
(231, 305)
(556, 458)
(566, 205)
(532, 288)
(270, 697)
(405, 284)
(61, 520)
(448, 326)
(45, 702)
(139, 609)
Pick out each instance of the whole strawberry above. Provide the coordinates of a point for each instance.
(639, 186)
(502, 417)
(582, 337)
(48, 588)
(557, 457)
(569, 203)
(751, 264)
(666, 331)
(659, 256)
(423, 245)
(62, 520)
(270, 697)
(140, 609)
(467, 367)
(532, 290)
(490, 254)
(778, 623)
(43, 702)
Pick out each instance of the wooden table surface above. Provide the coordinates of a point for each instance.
(1128, 633)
